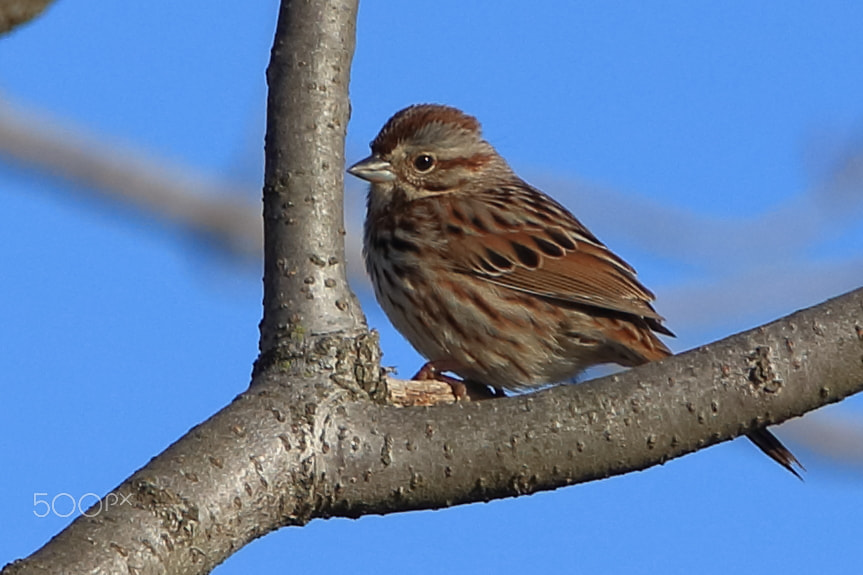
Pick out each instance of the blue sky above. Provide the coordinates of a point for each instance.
(698, 141)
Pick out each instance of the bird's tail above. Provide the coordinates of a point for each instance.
(773, 448)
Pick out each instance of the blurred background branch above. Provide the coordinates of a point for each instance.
(198, 205)
(13, 13)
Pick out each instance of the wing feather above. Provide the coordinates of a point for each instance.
(544, 251)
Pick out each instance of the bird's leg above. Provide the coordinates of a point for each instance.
(433, 371)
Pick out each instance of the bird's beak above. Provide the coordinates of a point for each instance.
(373, 169)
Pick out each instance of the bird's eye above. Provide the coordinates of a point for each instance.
(424, 162)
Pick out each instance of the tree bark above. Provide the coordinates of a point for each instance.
(305, 286)
(277, 457)
(311, 437)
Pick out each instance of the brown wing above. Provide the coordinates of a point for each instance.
(521, 239)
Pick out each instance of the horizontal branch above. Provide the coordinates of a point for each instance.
(293, 448)
(383, 460)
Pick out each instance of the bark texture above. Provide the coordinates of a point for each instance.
(305, 287)
(279, 455)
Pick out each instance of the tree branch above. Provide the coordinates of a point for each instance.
(305, 285)
(196, 205)
(14, 13)
(276, 457)
(382, 459)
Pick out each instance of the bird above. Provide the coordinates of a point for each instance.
(488, 277)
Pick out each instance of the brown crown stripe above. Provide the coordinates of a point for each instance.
(410, 120)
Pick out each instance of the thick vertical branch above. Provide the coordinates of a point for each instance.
(249, 469)
(305, 287)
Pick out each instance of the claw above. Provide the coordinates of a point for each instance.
(462, 390)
